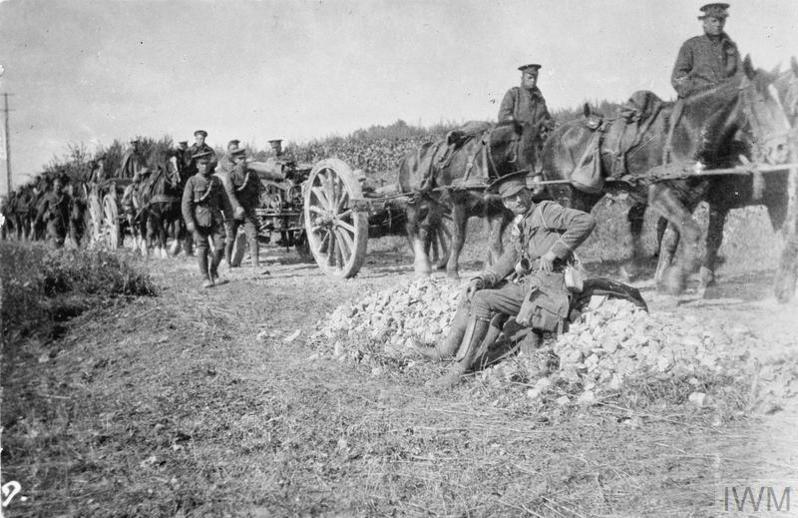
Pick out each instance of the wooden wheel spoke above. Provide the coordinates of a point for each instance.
(317, 210)
(339, 251)
(325, 242)
(331, 181)
(331, 254)
(347, 240)
(343, 224)
(321, 196)
(342, 202)
(345, 214)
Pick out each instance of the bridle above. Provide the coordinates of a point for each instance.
(763, 131)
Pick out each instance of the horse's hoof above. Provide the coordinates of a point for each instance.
(674, 281)
(784, 287)
(706, 277)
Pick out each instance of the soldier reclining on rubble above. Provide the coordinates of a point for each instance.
(528, 278)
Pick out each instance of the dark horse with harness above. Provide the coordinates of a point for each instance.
(160, 196)
(716, 126)
(447, 180)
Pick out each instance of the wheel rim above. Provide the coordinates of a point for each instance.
(96, 217)
(336, 232)
(110, 233)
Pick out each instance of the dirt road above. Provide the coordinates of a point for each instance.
(209, 403)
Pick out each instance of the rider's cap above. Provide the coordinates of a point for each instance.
(202, 155)
(531, 67)
(510, 184)
(201, 132)
(716, 10)
(183, 143)
(233, 143)
(275, 142)
(134, 141)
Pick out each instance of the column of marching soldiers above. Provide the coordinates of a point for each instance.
(51, 207)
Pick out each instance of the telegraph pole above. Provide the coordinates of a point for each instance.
(6, 134)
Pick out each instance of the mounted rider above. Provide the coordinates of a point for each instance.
(528, 279)
(525, 104)
(203, 201)
(199, 147)
(97, 173)
(706, 61)
(132, 161)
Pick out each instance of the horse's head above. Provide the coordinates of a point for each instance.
(513, 146)
(164, 164)
(786, 84)
(765, 120)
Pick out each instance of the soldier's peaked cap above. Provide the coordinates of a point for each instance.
(183, 142)
(716, 10)
(275, 141)
(531, 66)
(201, 132)
(202, 155)
(509, 185)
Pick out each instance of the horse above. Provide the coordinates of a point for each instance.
(160, 196)
(446, 179)
(704, 134)
(732, 192)
(786, 84)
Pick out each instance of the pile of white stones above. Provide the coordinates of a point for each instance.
(398, 318)
(612, 342)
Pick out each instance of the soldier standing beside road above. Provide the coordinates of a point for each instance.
(529, 277)
(54, 210)
(203, 201)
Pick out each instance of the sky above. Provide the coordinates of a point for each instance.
(89, 71)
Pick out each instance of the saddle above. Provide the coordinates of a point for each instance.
(434, 158)
(613, 139)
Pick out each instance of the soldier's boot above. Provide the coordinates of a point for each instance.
(216, 259)
(475, 333)
(453, 340)
(228, 251)
(254, 251)
(202, 259)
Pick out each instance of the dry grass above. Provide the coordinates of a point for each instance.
(169, 406)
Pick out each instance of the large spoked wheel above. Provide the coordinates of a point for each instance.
(95, 219)
(110, 223)
(337, 233)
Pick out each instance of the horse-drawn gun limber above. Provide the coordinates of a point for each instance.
(326, 210)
